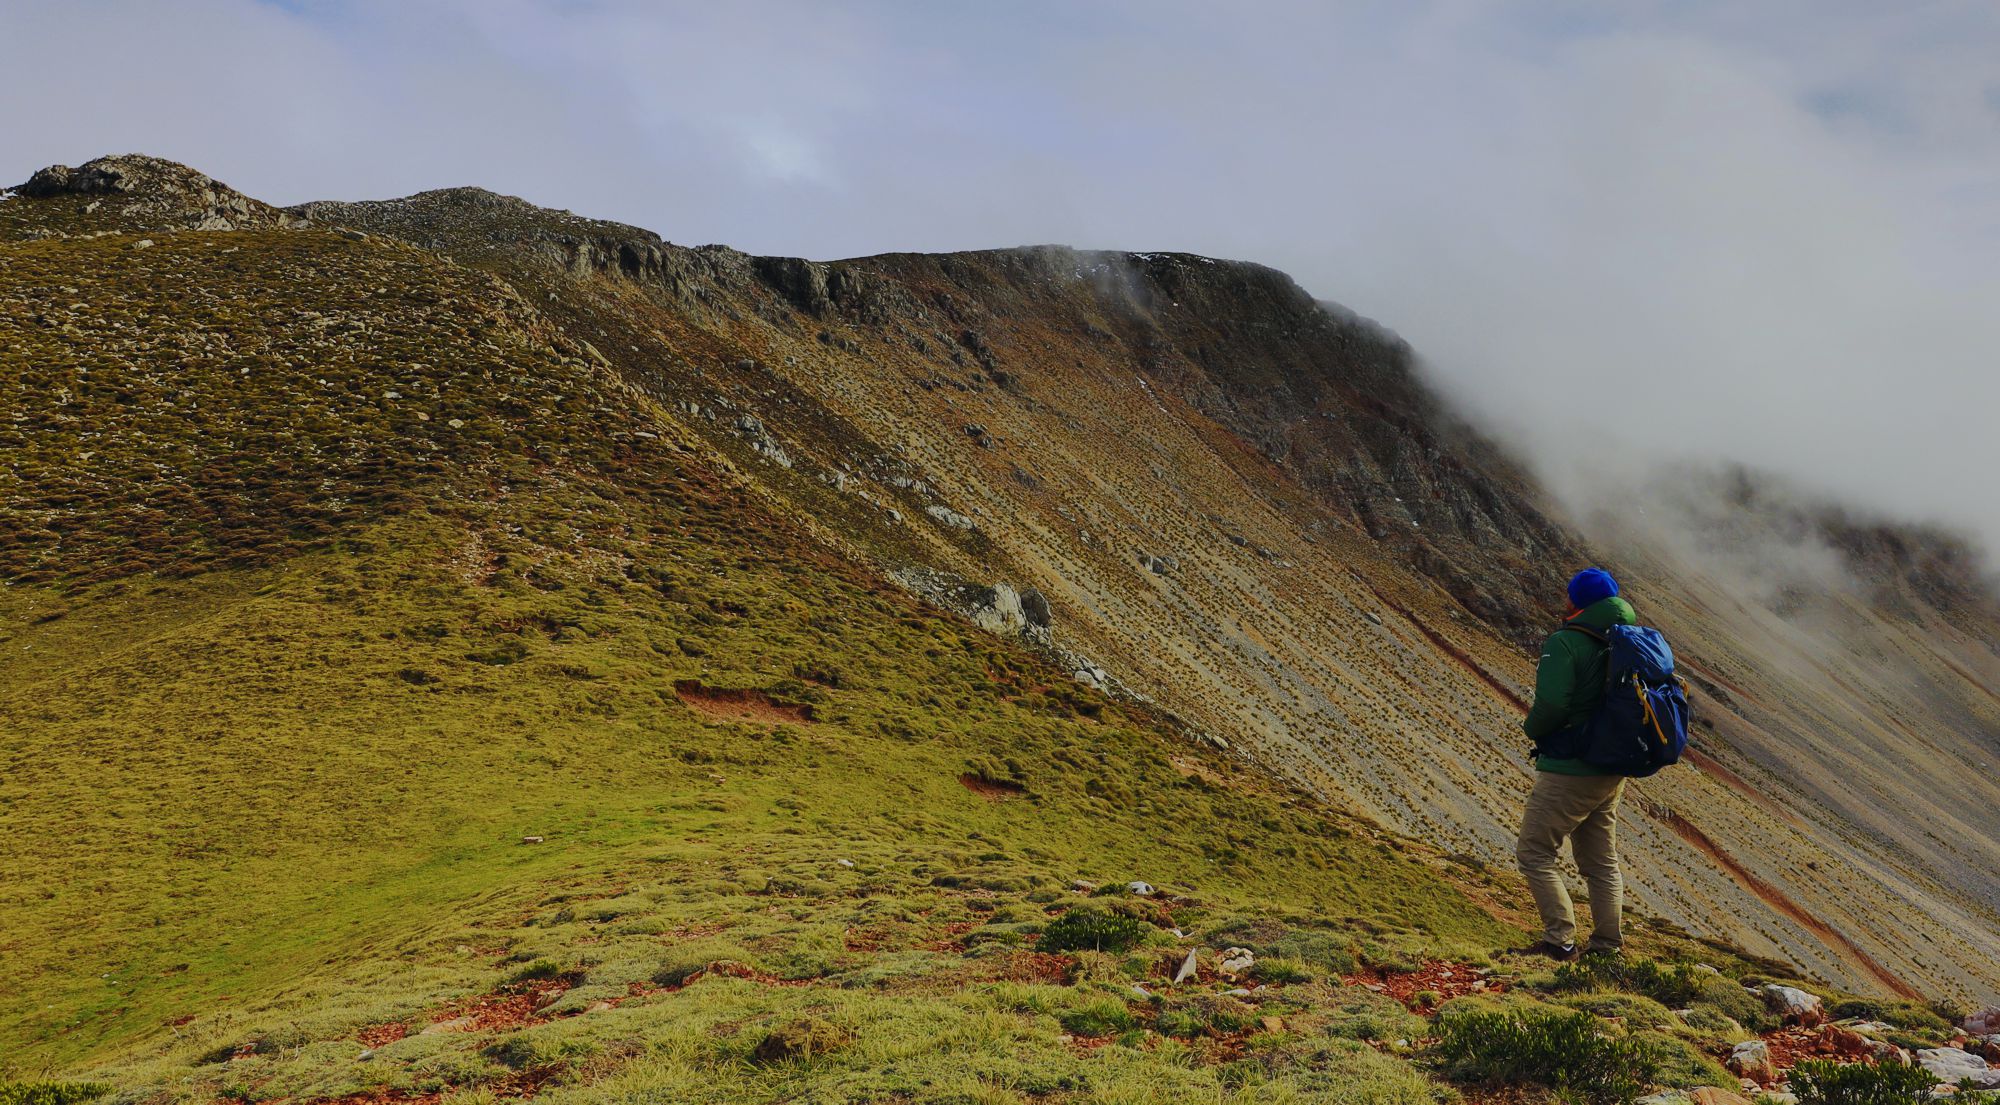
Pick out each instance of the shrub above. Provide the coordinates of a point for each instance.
(1817, 1082)
(51, 1093)
(1565, 1052)
(1091, 930)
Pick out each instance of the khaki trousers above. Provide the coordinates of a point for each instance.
(1584, 810)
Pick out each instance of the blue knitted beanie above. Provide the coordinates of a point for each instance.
(1591, 585)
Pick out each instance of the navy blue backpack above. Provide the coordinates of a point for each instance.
(1642, 724)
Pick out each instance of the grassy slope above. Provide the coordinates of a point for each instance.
(278, 794)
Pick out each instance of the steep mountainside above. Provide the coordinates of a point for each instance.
(1248, 508)
(362, 540)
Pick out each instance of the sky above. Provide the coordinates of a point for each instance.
(1620, 234)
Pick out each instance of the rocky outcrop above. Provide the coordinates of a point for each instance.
(154, 193)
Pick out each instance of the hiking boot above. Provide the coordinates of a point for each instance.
(1561, 953)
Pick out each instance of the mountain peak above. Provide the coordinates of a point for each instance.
(137, 191)
(116, 173)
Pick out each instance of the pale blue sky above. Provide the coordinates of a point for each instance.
(1781, 220)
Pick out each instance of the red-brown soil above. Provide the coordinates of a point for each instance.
(1447, 980)
(740, 704)
(990, 790)
(1792, 1044)
(382, 1034)
(508, 1008)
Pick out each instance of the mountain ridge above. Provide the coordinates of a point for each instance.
(1246, 511)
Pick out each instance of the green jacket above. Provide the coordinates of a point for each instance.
(1569, 682)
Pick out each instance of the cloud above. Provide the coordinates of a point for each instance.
(1621, 234)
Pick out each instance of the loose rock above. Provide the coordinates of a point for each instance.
(1751, 1059)
(1794, 1005)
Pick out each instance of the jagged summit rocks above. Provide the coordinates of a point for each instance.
(132, 172)
(154, 193)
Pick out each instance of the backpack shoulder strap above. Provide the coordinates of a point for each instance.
(1593, 634)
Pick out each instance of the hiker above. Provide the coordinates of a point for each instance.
(1572, 800)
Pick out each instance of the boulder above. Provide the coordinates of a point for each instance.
(1986, 1022)
(1035, 607)
(1187, 968)
(997, 609)
(1950, 1066)
(1794, 1005)
(1712, 1095)
(1752, 1060)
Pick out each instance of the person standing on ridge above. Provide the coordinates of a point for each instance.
(1572, 800)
